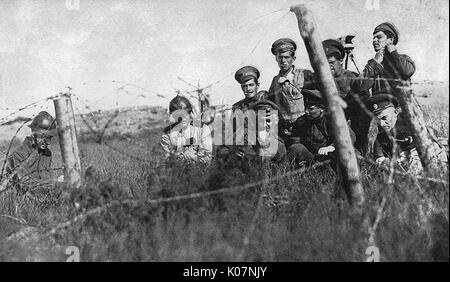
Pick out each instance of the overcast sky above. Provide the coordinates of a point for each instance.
(46, 45)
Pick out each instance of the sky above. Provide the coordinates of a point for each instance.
(102, 48)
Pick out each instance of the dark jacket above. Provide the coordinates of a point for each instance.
(29, 165)
(383, 78)
(315, 134)
(404, 137)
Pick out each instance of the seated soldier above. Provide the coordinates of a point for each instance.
(182, 139)
(29, 166)
(248, 77)
(242, 142)
(393, 128)
(260, 137)
(313, 131)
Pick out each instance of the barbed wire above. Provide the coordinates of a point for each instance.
(183, 197)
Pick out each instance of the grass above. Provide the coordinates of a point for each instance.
(296, 218)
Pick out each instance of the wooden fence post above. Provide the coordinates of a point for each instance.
(68, 139)
(415, 121)
(341, 134)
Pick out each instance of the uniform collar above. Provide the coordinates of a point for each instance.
(289, 76)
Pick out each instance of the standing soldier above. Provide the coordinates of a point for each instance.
(343, 78)
(285, 90)
(184, 140)
(29, 166)
(313, 131)
(384, 72)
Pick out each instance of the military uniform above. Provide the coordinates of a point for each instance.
(191, 144)
(402, 134)
(269, 147)
(29, 166)
(359, 121)
(285, 90)
(313, 134)
(382, 78)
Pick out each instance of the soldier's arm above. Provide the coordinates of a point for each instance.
(271, 91)
(165, 144)
(377, 150)
(310, 80)
(367, 79)
(403, 63)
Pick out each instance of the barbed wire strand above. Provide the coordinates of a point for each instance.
(182, 197)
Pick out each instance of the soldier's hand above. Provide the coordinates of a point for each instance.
(382, 161)
(326, 150)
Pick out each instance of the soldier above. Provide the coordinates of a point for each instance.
(248, 77)
(285, 90)
(249, 127)
(343, 78)
(182, 139)
(388, 68)
(30, 164)
(393, 128)
(313, 131)
(267, 146)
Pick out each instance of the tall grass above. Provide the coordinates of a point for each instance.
(302, 217)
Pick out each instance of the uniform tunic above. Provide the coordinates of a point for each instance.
(316, 133)
(285, 92)
(29, 165)
(193, 143)
(382, 78)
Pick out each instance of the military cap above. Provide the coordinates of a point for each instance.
(332, 46)
(313, 97)
(43, 123)
(283, 45)
(246, 73)
(379, 102)
(389, 27)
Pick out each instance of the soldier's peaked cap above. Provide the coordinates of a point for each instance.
(246, 73)
(389, 27)
(312, 97)
(379, 102)
(332, 46)
(283, 45)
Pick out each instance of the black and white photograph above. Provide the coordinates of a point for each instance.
(237, 133)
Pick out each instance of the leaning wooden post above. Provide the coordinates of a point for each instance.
(341, 134)
(68, 139)
(415, 121)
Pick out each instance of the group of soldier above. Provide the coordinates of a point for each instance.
(304, 133)
(296, 125)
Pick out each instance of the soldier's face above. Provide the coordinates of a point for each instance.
(335, 66)
(313, 111)
(380, 40)
(388, 118)
(285, 60)
(250, 88)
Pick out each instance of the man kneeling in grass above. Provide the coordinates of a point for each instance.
(393, 128)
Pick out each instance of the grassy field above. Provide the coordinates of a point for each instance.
(296, 217)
